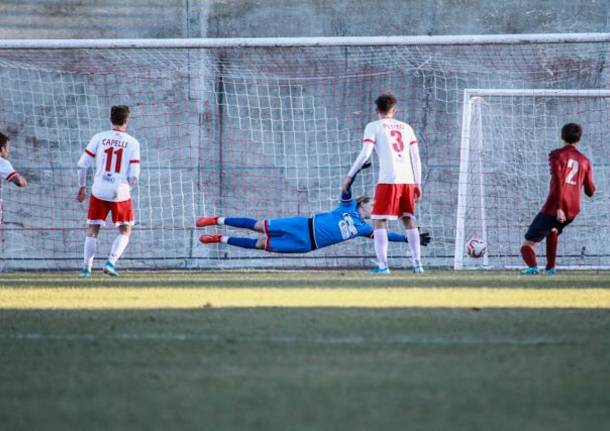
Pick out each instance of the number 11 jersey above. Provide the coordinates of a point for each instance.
(115, 153)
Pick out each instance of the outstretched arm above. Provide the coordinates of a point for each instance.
(396, 237)
(346, 193)
(365, 154)
(424, 237)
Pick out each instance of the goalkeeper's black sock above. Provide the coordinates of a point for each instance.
(242, 242)
(243, 222)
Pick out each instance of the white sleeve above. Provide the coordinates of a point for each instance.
(6, 169)
(86, 159)
(415, 160)
(133, 173)
(82, 177)
(369, 134)
(365, 154)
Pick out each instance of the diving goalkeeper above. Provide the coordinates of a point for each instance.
(304, 234)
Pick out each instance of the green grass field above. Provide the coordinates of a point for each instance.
(335, 350)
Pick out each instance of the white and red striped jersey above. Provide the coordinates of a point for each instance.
(397, 149)
(6, 169)
(117, 158)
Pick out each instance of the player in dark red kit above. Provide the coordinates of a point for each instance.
(570, 171)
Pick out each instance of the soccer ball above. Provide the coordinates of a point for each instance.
(476, 247)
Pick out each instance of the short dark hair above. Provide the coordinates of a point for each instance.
(385, 102)
(119, 114)
(571, 133)
(3, 140)
(362, 200)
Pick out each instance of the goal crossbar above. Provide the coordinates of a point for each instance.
(355, 41)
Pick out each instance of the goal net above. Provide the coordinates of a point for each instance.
(506, 137)
(269, 128)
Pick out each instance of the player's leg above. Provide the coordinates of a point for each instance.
(118, 248)
(407, 210)
(284, 235)
(541, 226)
(123, 217)
(528, 253)
(252, 243)
(412, 232)
(552, 240)
(89, 251)
(240, 222)
(96, 217)
(386, 206)
(551, 251)
(381, 246)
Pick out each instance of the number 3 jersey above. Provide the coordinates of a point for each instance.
(341, 224)
(570, 171)
(397, 150)
(117, 158)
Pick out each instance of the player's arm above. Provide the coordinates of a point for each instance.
(589, 183)
(415, 165)
(424, 237)
(368, 143)
(133, 173)
(557, 183)
(18, 180)
(346, 193)
(85, 161)
(10, 174)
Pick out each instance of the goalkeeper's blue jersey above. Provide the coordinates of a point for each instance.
(339, 225)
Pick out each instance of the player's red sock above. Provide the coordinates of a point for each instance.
(551, 249)
(529, 255)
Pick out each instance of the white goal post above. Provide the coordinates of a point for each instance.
(473, 206)
(268, 127)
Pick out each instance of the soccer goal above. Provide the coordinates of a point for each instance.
(506, 137)
(268, 128)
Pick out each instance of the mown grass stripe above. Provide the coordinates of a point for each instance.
(177, 298)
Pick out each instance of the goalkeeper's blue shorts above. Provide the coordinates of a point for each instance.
(289, 235)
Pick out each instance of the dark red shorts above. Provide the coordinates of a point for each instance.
(393, 201)
(122, 212)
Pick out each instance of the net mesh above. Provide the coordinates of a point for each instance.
(508, 174)
(270, 132)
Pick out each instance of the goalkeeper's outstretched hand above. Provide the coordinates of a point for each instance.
(348, 181)
(424, 238)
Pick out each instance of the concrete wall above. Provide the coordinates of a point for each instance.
(257, 18)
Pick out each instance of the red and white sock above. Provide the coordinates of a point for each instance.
(381, 247)
(89, 253)
(118, 247)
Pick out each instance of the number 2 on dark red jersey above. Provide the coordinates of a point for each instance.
(398, 145)
(119, 158)
(573, 166)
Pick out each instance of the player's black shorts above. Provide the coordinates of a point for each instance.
(542, 226)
